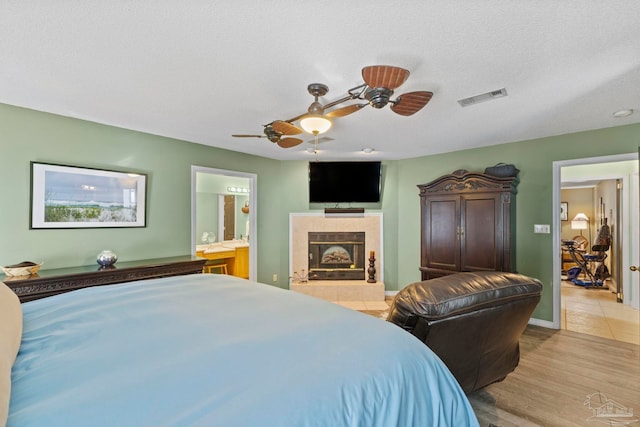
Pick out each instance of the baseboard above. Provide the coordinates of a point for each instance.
(542, 323)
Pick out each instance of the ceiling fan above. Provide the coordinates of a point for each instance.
(275, 131)
(380, 81)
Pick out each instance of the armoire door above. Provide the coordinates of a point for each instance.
(481, 232)
(441, 244)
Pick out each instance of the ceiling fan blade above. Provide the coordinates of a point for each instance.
(285, 128)
(236, 135)
(410, 103)
(345, 111)
(385, 76)
(289, 142)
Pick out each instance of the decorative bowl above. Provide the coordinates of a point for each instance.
(107, 258)
(25, 268)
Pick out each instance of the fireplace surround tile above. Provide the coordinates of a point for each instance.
(350, 293)
(300, 224)
(373, 292)
(329, 293)
(342, 290)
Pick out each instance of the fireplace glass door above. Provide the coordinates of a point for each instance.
(336, 256)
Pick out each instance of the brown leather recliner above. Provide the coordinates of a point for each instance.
(472, 321)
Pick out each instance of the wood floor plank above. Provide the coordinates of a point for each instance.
(558, 370)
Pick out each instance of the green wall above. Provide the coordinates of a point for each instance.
(28, 135)
(535, 159)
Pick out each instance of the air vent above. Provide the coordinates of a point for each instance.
(483, 97)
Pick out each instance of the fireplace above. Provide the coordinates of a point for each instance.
(336, 256)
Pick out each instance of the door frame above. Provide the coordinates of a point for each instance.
(634, 221)
(253, 199)
(555, 250)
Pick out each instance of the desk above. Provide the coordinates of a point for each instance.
(60, 280)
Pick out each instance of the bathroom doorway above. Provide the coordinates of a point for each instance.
(210, 188)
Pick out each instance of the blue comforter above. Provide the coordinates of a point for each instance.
(213, 350)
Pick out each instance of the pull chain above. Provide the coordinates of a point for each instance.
(315, 144)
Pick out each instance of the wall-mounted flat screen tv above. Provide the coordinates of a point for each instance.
(344, 182)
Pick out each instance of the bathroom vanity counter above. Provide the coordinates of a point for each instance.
(234, 253)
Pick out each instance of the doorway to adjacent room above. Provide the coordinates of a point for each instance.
(595, 310)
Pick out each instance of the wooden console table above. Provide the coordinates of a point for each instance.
(60, 280)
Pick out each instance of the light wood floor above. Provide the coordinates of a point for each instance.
(595, 312)
(558, 371)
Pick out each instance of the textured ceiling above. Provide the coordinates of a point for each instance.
(203, 70)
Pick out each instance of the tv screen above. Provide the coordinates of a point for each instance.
(342, 182)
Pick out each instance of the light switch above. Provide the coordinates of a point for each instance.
(542, 228)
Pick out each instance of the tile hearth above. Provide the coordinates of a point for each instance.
(343, 291)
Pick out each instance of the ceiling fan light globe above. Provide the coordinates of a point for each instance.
(315, 124)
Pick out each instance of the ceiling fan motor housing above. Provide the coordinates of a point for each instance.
(316, 90)
(272, 135)
(378, 97)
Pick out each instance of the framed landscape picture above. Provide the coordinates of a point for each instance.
(76, 197)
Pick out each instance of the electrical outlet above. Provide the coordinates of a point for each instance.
(275, 277)
(542, 228)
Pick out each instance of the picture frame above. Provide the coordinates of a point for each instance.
(77, 197)
(564, 211)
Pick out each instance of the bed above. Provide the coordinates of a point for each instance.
(214, 350)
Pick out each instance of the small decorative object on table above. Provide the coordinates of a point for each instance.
(107, 258)
(300, 278)
(25, 268)
(372, 267)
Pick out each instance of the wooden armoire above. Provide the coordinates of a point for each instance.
(467, 224)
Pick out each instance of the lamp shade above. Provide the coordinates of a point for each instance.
(315, 124)
(580, 222)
